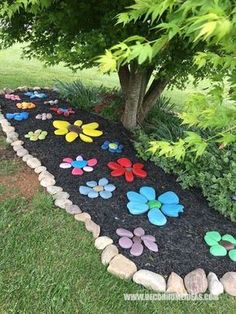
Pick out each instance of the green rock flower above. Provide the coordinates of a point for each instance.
(221, 245)
(36, 135)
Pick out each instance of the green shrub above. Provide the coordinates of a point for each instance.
(79, 95)
(106, 102)
(162, 122)
(214, 173)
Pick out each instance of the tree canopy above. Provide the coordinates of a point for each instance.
(152, 44)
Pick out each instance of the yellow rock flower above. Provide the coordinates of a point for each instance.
(72, 131)
(25, 105)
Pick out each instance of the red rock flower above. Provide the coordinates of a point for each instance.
(124, 167)
(61, 111)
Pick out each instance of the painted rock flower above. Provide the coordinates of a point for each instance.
(35, 94)
(101, 188)
(51, 102)
(113, 147)
(72, 131)
(135, 240)
(124, 167)
(43, 116)
(167, 204)
(61, 111)
(79, 165)
(12, 97)
(18, 116)
(25, 105)
(36, 135)
(221, 245)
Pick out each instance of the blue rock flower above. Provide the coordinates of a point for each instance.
(167, 204)
(94, 189)
(35, 94)
(18, 116)
(113, 147)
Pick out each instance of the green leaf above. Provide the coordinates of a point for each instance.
(226, 138)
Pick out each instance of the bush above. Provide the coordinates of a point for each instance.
(79, 95)
(106, 102)
(214, 173)
(162, 122)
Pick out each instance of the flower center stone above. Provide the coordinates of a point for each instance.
(226, 244)
(113, 146)
(129, 169)
(154, 204)
(74, 128)
(79, 163)
(98, 188)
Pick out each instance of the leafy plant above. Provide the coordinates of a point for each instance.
(202, 113)
(214, 173)
(80, 96)
(162, 122)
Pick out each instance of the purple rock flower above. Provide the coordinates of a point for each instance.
(135, 240)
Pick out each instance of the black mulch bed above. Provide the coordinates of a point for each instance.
(180, 241)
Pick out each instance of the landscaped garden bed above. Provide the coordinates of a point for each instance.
(98, 168)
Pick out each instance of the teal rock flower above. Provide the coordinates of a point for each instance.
(221, 245)
(167, 204)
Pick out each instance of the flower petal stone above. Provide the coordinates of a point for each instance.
(105, 194)
(77, 172)
(152, 246)
(232, 255)
(156, 217)
(136, 208)
(65, 165)
(169, 198)
(218, 250)
(84, 190)
(172, 210)
(136, 197)
(212, 237)
(103, 182)
(229, 238)
(125, 242)
(93, 194)
(109, 187)
(136, 249)
(124, 233)
(88, 169)
(148, 192)
(91, 184)
(139, 232)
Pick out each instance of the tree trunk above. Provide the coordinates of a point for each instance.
(153, 94)
(133, 83)
(138, 100)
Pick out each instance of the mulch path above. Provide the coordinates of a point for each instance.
(180, 241)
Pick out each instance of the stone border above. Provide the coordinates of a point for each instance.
(195, 282)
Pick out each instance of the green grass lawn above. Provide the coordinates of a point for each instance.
(15, 71)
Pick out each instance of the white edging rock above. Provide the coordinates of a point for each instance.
(196, 281)
(150, 280)
(175, 284)
(122, 267)
(102, 242)
(229, 282)
(215, 287)
(108, 253)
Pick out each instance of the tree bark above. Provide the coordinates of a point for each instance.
(132, 94)
(153, 94)
(138, 100)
